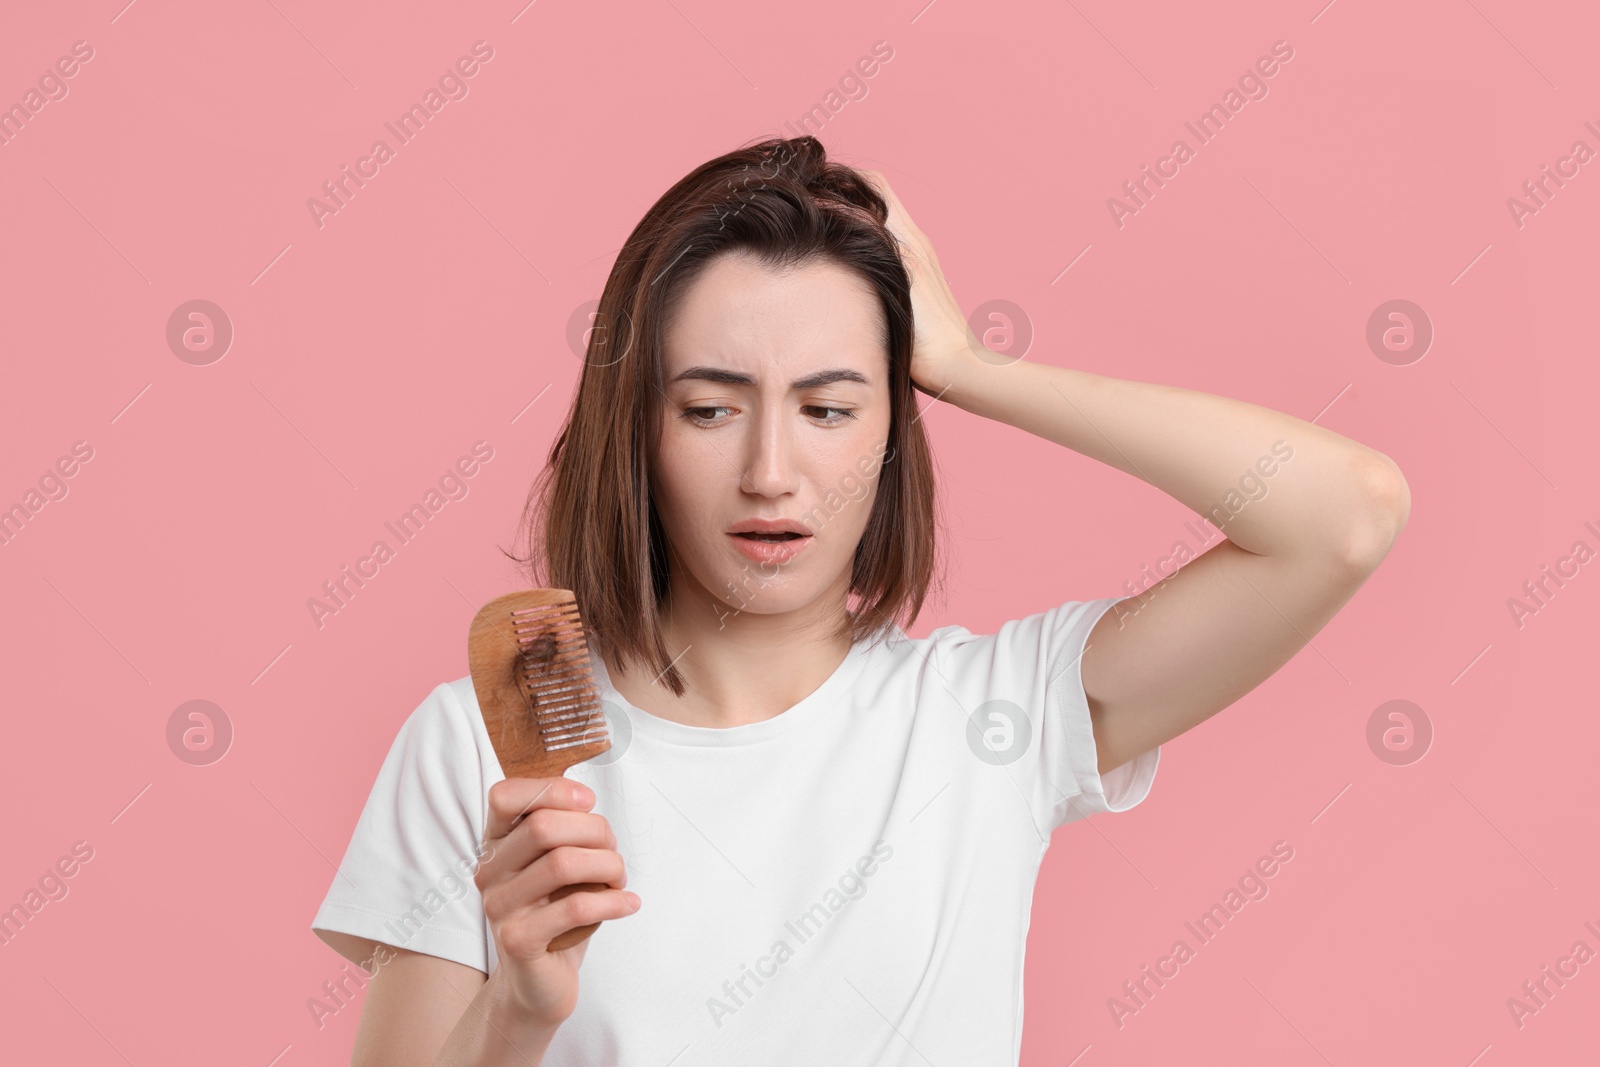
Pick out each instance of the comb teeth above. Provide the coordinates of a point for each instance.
(555, 676)
(531, 673)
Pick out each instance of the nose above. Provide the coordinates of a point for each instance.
(769, 455)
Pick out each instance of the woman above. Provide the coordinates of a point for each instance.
(818, 837)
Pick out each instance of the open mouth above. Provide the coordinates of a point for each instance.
(769, 537)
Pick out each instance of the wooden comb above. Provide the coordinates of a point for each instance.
(530, 669)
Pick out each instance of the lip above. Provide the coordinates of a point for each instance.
(770, 551)
(768, 526)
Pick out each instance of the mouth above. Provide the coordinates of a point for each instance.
(772, 538)
(771, 531)
(771, 541)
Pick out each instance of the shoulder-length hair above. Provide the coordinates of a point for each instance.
(590, 523)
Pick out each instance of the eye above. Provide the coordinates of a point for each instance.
(842, 415)
(693, 415)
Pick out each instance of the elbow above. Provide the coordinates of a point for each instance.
(1383, 508)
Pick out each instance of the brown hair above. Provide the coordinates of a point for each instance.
(589, 518)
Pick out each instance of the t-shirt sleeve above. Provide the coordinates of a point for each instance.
(1022, 694)
(406, 879)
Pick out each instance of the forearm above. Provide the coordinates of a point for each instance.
(1324, 493)
(493, 1033)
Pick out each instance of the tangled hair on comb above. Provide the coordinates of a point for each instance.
(589, 522)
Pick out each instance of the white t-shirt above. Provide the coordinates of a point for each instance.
(848, 882)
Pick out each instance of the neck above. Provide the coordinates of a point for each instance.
(738, 667)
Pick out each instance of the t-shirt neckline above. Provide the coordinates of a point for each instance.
(815, 704)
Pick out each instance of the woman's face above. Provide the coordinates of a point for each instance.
(776, 410)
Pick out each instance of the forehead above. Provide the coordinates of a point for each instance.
(742, 314)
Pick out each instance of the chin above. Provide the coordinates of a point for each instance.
(754, 599)
(751, 592)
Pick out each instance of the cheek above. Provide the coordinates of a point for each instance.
(680, 479)
(847, 493)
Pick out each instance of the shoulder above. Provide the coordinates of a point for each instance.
(443, 741)
(1029, 640)
(444, 714)
(1021, 659)
(406, 877)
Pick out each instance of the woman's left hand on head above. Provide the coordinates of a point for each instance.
(943, 338)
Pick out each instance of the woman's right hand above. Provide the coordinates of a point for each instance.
(540, 836)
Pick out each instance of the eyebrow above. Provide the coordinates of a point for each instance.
(810, 381)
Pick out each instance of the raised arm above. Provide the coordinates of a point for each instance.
(1225, 621)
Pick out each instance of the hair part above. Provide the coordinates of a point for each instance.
(590, 524)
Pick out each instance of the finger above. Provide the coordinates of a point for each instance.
(542, 830)
(512, 798)
(569, 865)
(527, 936)
(876, 179)
(531, 887)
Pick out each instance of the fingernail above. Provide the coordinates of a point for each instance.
(585, 794)
(633, 898)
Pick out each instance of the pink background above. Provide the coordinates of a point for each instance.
(372, 352)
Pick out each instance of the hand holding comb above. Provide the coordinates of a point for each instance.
(530, 669)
